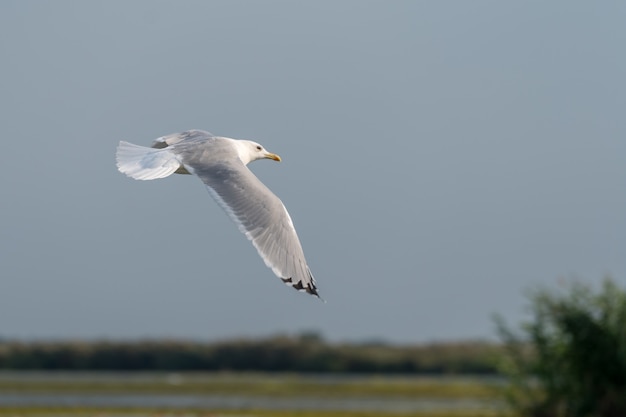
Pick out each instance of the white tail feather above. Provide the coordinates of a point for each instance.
(143, 163)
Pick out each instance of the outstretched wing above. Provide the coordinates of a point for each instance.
(262, 217)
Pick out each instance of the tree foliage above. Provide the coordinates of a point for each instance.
(569, 360)
(304, 353)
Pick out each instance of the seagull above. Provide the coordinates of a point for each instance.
(221, 164)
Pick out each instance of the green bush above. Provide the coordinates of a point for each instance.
(305, 353)
(569, 360)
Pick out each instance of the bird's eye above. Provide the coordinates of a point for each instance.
(259, 147)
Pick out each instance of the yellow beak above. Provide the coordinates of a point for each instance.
(273, 156)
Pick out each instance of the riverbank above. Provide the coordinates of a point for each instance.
(254, 394)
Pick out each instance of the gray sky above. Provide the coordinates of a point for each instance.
(439, 158)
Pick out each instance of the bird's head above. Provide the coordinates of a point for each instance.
(251, 151)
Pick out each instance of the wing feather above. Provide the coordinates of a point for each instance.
(263, 218)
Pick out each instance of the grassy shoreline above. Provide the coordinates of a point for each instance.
(251, 384)
(297, 391)
(124, 412)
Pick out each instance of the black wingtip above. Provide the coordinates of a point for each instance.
(309, 288)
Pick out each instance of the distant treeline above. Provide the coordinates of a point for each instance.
(304, 353)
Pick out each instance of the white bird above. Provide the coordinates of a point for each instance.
(221, 164)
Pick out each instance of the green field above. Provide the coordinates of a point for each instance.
(89, 412)
(250, 394)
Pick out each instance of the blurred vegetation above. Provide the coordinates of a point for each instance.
(112, 412)
(307, 352)
(249, 385)
(569, 360)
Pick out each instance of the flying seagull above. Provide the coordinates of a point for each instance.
(221, 165)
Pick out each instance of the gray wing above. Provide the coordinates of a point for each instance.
(174, 138)
(194, 136)
(262, 217)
